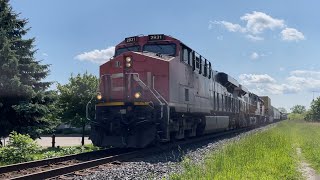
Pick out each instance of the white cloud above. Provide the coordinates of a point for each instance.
(309, 80)
(97, 56)
(220, 38)
(248, 79)
(45, 54)
(291, 34)
(257, 22)
(254, 38)
(254, 55)
(297, 81)
(265, 84)
(282, 69)
(306, 73)
(229, 26)
(282, 89)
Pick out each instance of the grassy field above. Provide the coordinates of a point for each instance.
(271, 154)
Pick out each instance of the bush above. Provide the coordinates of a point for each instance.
(51, 154)
(20, 148)
(296, 116)
(71, 150)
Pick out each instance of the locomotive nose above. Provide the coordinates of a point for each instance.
(118, 85)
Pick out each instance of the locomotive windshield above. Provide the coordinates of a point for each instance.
(126, 49)
(167, 49)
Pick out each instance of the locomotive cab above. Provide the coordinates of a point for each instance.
(134, 92)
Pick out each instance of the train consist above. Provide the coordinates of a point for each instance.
(156, 89)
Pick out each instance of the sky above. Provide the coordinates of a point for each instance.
(271, 47)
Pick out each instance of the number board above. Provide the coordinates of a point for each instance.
(155, 37)
(131, 39)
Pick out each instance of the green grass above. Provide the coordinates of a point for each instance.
(266, 155)
(57, 152)
(307, 137)
(63, 151)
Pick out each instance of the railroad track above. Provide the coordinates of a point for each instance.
(56, 167)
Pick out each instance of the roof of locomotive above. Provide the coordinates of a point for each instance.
(162, 38)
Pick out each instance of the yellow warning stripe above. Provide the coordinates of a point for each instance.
(141, 103)
(122, 103)
(111, 104)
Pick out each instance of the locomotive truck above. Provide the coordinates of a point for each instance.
(158, 89)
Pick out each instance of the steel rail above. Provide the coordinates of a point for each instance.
(39, 163)
(123, 156)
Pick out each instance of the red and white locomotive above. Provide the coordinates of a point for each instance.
(156, 89)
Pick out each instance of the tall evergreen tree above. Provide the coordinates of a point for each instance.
(24, 100)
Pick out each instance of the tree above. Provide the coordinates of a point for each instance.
(298, 109)
(314, 112)
(282, 109)
(73, 99)
(23, 97)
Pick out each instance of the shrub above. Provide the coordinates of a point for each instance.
(71, 150)
(20, 148)
(295, 116)
(51, 154)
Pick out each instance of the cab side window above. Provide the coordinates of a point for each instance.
(197, 61)
(186, 55)
(205, 70)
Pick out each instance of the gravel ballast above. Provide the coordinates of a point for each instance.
(160, 166)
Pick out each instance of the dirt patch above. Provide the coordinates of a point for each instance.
(307, 172)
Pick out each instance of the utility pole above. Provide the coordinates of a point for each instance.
(313, 94)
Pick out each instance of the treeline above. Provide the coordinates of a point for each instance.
(313, 114)
(27, 105)
(299, 112)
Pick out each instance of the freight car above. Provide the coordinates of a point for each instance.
(156, 89)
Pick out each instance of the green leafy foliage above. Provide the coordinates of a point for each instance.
(74, 97)
(20, 148)
(24, 102)
(298, 109)
(62, 152)
(314, 113)
(297, 116)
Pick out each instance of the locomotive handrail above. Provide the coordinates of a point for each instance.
(158, 92)
(157, 97)
(138, 79)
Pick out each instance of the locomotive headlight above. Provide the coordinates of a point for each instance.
(137, 95)
(128, 59)
(128, 64)
(99, 96)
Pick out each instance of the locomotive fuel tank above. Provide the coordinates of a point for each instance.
(216, 123)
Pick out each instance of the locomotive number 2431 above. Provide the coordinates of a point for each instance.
(156, 37)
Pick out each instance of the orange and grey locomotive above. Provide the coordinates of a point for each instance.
(156, 89)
